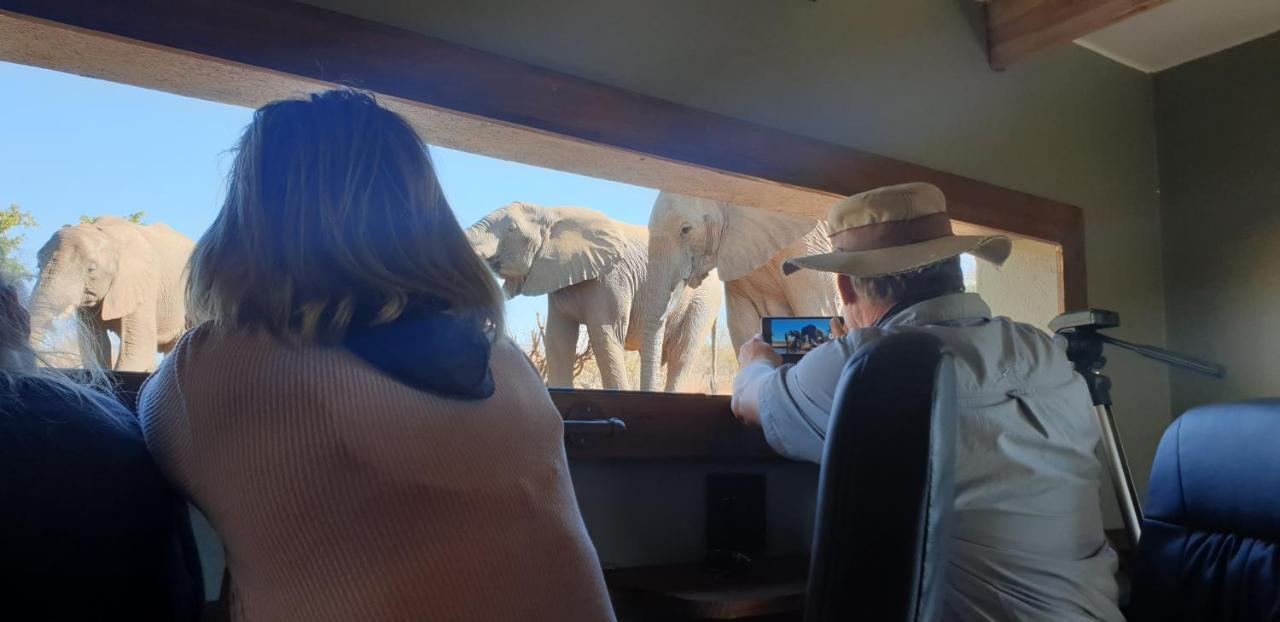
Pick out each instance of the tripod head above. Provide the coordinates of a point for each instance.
(1077, 332)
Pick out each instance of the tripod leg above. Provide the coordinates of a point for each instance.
(1121, 477)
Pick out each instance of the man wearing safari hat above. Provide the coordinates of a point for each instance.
(1027, 539)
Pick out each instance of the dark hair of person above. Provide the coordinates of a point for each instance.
(932, 280)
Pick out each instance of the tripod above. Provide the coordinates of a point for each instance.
(1078, 332)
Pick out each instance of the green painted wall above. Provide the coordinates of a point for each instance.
(1218, 121)
(903, 78)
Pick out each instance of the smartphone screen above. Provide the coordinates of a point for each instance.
(792, 337)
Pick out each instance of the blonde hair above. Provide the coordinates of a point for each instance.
(334, 215)
(19, 360)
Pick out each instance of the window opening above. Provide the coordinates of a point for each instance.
(153, 159)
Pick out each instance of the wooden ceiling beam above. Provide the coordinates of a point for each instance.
(1018, 28)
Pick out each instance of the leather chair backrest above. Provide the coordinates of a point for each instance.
(886, 487)
(1210, 547)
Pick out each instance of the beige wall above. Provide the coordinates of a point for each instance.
(903, 78)
(1026, 288)
(1219, 124)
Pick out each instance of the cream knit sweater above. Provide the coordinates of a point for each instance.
(342, 494)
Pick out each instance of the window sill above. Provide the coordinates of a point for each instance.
(658, 426)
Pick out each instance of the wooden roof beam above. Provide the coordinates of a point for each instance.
(1018, 28)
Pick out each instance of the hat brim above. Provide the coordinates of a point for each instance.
(898, 259)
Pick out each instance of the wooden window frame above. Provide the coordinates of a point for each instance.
(248, 52)
(659, 426)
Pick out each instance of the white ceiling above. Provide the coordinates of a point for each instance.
(1184, 30)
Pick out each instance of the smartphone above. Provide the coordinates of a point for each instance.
(792, 337)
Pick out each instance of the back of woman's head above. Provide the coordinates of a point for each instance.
(334, 215)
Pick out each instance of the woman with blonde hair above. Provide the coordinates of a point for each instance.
(89, 530)
(348, 414)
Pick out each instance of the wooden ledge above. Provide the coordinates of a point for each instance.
(659, 426)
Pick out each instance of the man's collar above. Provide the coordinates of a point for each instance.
(944, 308)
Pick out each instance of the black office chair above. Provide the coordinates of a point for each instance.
(1210, 547)
(885, 493)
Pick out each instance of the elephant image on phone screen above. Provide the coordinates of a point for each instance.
(693, 240)
(116, 276)
(592, 269)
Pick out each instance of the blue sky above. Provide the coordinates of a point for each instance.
(75, 145)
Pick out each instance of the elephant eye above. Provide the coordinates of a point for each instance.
(686, 229)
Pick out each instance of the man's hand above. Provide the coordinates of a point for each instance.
(746, 386)
(755, 350)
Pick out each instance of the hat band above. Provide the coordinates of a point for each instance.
(893, 233)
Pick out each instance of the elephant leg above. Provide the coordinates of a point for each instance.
(137, 342)
(607, 346)
(690, 329)
(561, 342)
(679, 354)
(744, 319)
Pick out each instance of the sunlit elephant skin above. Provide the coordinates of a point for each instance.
(691, 239)
(116, 276)
(591, 267)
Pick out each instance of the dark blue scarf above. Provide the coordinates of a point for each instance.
(429, 349)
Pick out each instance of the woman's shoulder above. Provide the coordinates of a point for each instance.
(204, 361)
(208, 336)
(507, 358)
(211, 349)
(220, 355)
(513, 372)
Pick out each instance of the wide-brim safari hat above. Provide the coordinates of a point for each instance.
(896, 229)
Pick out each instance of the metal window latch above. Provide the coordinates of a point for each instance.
(584, 422)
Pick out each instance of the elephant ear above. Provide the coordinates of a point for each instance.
(580, 245)
(135, 280)
(751, 237)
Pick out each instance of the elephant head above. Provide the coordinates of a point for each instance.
(103, 269)
(538, 250)
(689, 237)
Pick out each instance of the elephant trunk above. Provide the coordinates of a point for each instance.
(482, 239)
(655, 300)
(50, 300)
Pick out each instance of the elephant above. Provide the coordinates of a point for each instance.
(118, 276)
(591, 267)
(691, 239)
(793, 341)
(812, 335)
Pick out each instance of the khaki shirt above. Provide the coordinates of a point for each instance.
(1027, 542)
